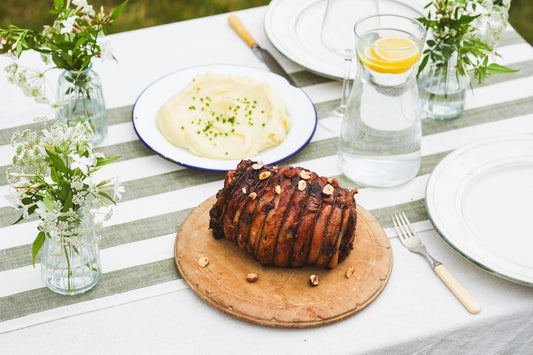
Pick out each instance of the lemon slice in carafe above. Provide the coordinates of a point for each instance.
(391, 55)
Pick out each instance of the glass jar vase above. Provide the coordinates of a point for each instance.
(71, 265)
(441, 87)
(80, 98)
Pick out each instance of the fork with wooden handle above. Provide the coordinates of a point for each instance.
(412, 242)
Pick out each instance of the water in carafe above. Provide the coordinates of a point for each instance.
(381, 132)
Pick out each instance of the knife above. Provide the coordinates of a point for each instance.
(260, 53)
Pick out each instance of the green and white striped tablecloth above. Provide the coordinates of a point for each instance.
(137, 243)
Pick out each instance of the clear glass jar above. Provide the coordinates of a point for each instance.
(71, 266)
(381, 132)
(442, 88)
(80, 98)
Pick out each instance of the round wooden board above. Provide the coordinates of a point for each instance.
(282, 297)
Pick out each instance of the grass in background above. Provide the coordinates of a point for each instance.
(521, 18)
(144, 13)
(137, 14)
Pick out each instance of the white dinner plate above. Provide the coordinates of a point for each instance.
(480, 200)
(301, 110)
(293, 28)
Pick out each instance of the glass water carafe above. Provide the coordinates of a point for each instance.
(381, 132)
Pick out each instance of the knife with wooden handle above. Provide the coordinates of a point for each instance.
(261, 53)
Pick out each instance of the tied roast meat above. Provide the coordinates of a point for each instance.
(285, 216)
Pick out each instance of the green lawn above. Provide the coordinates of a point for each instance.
(137, 14)
(144, 13)
(521, 17)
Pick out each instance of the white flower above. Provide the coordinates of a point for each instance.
(92, 185)
(11, 69)
(13, 198)
(44, 212)
(82, 163)
(39, 84)
(118, 189)
(89, 10)
(76, 184)
(68, 24)
(491, 23)
(89, 181)
(106, 51)
(78, 198)
(15, 201)
(32, 82)
(81, 3)
(59, 134)
(86, 8)
(48, 180)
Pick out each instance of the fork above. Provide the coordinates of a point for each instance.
(412, 242)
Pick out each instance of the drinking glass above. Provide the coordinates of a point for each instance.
(337, 35)
(381, 131)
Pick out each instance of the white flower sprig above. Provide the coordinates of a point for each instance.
(53, 176)
(470, 28)
(75, 37)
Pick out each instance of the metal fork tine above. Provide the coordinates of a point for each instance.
(401, 224)
(396, 225)
(399, 227)
(408, 224)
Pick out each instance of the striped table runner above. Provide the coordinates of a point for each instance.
(137, 243)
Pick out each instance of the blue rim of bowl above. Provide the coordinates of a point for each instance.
(202, 168)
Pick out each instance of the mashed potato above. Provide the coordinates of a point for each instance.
(220, 116)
